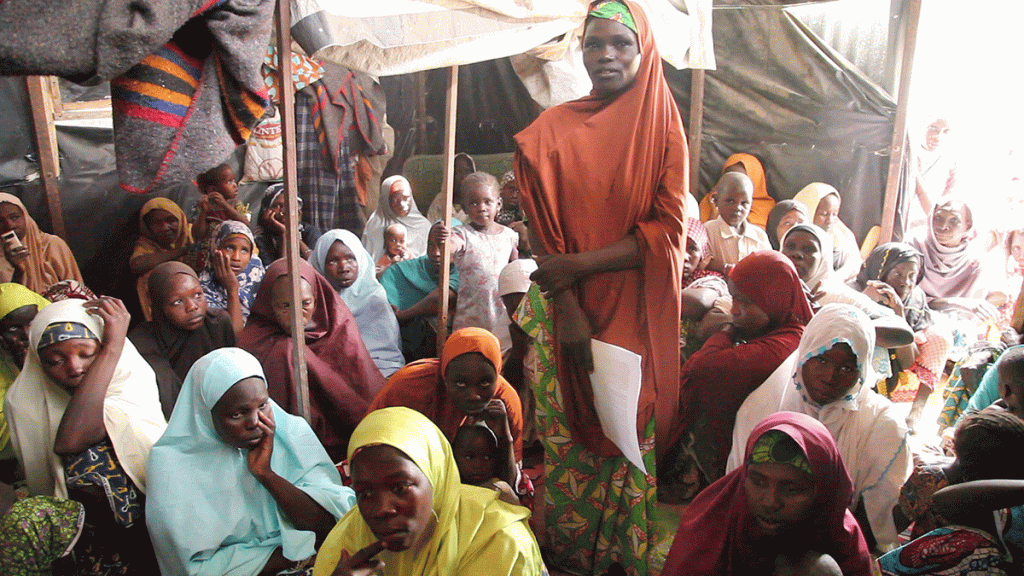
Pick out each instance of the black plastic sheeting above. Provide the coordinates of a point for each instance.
(782, 95)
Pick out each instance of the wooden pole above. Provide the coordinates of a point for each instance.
(897, 151)
(451, 104)
(41, 97)
(696, 130)
(286, 98)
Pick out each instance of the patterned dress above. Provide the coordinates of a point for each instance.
(480, 261)
(596, 510)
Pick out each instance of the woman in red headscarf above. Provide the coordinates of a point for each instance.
(785, 506)
(769, 311)
(603, 181)
(342, 377)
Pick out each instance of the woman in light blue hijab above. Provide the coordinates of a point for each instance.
(237, 485)
(334, 256)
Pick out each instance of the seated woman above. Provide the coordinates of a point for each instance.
(164, 235)
(343, 379)
(762, 202)
(980, 514)
(270, 226)
(18, 306)
(890, 276)
(412, 288)
(182, 330)
(830, 378)
(268, 490)
(784, 215)
(462, 386)
(342, 260)
(822, 202)
(37, 259)
(415, 517)
(783, 511)
(769, 311)
(232, 277)
(808, 246)
(84, 413)
(952, 263)
(396, 206)
(705, 296)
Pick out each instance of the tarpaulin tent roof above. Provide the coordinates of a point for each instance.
(389, 37)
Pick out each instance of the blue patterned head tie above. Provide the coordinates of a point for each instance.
(61, 331)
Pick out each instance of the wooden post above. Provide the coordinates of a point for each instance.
(897, 151)
(696, 130)
(41, 97)
(451, 104)
(286, 98)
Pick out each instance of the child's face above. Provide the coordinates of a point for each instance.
(227, 187)
(394, 241)
(475, 457)
(510, 193)
(733, 205)
(400, 199)
(238, 249)
(827, 212)
(481, 203)
(1017, 247)
(1012, 392)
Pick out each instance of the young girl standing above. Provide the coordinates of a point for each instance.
(480, 249)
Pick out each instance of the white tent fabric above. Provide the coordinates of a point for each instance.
(387, 37)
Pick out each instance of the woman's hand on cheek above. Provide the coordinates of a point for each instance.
(362, 563)
(496, 417)
(222, 270)
(258, 458)
(557, 273)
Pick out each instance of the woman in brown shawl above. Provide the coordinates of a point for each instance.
(183, 328)
(603, 182)
(342, 377)
(40, 260)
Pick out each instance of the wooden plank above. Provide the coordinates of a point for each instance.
(696, 130)
(286, 98)
(451, 105)
(897, 151)
(41, 98)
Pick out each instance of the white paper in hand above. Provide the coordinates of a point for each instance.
(616, 385)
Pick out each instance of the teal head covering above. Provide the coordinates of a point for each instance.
(198, 480)
(613, 10)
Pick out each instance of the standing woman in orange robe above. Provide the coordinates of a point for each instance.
(603, 182)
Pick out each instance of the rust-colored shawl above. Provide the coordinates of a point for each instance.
(342, 377)
(50, 260)
(420, 386)
(592, 171)
(763, 202)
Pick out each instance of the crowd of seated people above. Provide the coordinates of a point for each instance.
(772, 361)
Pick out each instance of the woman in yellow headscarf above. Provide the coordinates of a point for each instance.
(18, 306)
(763, 202)
(415, 516)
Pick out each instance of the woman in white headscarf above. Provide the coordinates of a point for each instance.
(830, 378)
(396, 205)
(808, 247)
(343, 261)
